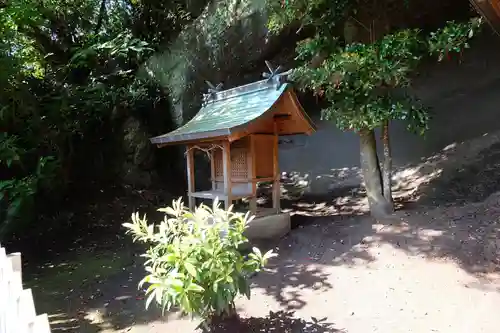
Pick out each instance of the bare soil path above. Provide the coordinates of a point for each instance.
(380, 278)
(361, 277)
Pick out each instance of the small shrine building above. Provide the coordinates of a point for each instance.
(239, 129)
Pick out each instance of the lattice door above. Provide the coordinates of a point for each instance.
(239, 163)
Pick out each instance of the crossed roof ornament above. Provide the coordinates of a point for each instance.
(275, 75)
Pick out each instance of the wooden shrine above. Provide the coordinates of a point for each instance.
(239, 129)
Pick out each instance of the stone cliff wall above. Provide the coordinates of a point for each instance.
(465, 102)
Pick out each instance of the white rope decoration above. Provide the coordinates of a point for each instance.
(207, 150)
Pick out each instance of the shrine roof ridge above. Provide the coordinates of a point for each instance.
(242, 90)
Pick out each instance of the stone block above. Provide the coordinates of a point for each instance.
(268, 228)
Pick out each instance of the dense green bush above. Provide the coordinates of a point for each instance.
(69, 76)
(194, 260)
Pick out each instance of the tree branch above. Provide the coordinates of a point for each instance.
(102, 15)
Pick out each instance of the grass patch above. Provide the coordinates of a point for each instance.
(65, 289)
(64, 277)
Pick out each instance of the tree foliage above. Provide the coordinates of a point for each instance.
(364, 76)
(358, 81)
(72, 70)
(362, 80)
(67, 68)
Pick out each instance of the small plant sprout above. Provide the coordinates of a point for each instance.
(194, 260)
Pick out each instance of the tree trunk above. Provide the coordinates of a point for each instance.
(101, 17)
(387, 166)
(379, 207)
(216, 323)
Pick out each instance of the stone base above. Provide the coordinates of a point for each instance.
(269, 227)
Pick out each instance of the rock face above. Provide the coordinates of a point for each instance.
(228, 43)
(138, 165)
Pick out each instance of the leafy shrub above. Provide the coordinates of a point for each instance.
(453, 37)
(194, 260)
(20, 185)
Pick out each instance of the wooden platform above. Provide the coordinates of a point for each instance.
(236, 195)
(212, 194)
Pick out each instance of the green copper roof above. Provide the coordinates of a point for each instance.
(227, 111)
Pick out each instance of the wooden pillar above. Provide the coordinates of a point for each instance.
(253, 176)
(212, 168)
(226, 162)
(190, 176)
(276, 173)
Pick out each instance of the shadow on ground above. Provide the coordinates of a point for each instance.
(305, 251)
(451, 213)
(458, 212)
(92, 293)
(334, 229)
(277, 322)
(84, 271)
(473, 182)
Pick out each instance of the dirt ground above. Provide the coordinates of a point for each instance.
(432, 267)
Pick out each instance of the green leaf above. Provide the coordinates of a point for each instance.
(159, 295)
(149, 299)
(185, 303)
(168, 211)
(177, 285)
(270, 254)
(257, 252)
(191, 269)
(171, 258)
(195, 287)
